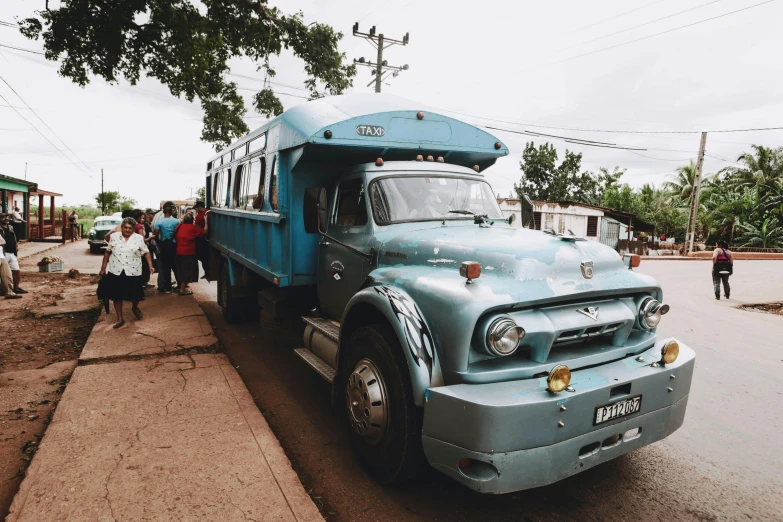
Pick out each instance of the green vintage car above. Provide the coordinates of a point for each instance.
(100, 227)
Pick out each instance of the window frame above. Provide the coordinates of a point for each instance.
(336, 212)
(587, 230)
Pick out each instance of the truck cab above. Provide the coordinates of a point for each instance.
(507, 358)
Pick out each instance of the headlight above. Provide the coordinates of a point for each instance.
(669, 352)
(503, 336)
(559, 378)
(650, 313)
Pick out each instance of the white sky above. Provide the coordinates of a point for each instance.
(492, 59)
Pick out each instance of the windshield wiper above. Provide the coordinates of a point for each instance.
(464, 212)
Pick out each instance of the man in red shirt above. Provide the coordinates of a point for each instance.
(202, 247)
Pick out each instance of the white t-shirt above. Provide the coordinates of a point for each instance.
(126, 255)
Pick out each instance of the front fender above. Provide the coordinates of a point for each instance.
(410, 326)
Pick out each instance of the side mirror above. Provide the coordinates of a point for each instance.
(527, 210)
(512, 218)
(314, 210)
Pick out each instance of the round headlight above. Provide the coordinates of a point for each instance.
(669, 352)
(559, 378)
(650, 313)
(503, 337)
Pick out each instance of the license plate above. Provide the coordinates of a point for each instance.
(617, 409)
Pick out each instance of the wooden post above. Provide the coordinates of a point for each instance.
(26, 213)
(51, 211)
(40, 217)
(64, 214)
(694, 207)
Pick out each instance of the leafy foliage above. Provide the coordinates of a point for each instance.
(544, 180)
(112, 202)
(186, 46)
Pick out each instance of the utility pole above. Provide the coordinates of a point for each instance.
(103, 198)
(694, 209)
(25, 171)
(381, 67)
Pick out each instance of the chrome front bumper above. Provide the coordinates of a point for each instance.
(520, 436)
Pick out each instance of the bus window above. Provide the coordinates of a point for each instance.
(257, 144)
(219, 189)
(240, 186)
(273, 185)
(255, 183)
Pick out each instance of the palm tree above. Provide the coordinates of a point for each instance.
(761, 167)
(682, 184)
(768, 235)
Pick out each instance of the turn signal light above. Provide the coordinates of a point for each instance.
(419, 158)
(429, 158)
(470, 270)
(379, 162)
(440, 159)
(559, 378)
(670, 352)
(476, 168)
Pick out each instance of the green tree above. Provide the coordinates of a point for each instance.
(767, 234)
(187, 46)
(543, 179)
(682, 185)
(201, 194)
(112, 201)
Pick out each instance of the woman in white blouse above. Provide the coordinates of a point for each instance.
(124, 257)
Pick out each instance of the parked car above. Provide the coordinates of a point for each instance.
(100, 227)
(508, 358)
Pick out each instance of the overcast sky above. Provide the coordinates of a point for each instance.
(518, 62)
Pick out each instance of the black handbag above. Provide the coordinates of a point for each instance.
(723, 267)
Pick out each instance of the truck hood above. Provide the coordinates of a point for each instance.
(521, 265)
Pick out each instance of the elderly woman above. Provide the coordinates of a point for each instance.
(124, 255)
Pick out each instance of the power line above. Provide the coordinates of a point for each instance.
(268, 81)
(45, 125)
(21, 49)
(642, 25)
(658, 34)
(620, 15)
(279, 93)
(43, 135)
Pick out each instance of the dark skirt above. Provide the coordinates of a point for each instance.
(124, 287)
(187, 269)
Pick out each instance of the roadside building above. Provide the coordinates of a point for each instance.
(611, 227)
(16, 193)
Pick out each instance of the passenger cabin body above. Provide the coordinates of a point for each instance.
(255, 189)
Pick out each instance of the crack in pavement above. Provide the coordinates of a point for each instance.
(184, 385)
(240, 509)
(108, 479)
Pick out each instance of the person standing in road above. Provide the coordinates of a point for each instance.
(722, 268)
(202, 247)
(164, 234)
(11, 250)
(186, 236)
(123, 259)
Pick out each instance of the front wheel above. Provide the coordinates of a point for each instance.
(229, 305)
(384, 422)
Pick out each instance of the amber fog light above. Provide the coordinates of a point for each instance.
(559, 378)
(669, 352)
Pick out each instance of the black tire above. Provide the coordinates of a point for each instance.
(230, 306)
(94, 250)
(398, 456)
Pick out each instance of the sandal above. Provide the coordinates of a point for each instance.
(119, 325)
(186, 292)
(137, 313)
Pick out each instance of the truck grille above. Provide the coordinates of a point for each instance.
(587, 333)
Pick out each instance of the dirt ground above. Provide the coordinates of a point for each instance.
(765, 308)
(37, 356)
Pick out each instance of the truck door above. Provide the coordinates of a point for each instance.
(341, 271)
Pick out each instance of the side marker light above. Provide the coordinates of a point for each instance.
(559, 378)
(670, 352)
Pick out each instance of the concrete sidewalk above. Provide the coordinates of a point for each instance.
(174, 436)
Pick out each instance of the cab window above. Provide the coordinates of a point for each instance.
(351, 208)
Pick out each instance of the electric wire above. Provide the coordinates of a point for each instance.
(657, 34)
(44, 137)
(22, 49)
(641, 25)
(45, 124)
(619, 16)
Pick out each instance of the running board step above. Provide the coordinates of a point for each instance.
(325, 326)
(312, 360)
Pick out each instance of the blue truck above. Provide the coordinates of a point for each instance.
(505, 357)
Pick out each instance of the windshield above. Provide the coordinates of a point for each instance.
(412, 198)
(107, 222)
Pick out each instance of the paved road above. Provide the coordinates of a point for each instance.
(724, 464)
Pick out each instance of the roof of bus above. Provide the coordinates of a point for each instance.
(400, 128)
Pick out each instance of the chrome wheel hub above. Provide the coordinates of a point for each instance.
(366, 397)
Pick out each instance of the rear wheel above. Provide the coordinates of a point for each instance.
(230, 306)
(383, 420)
